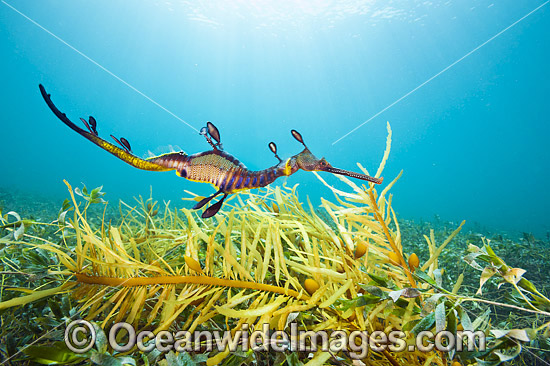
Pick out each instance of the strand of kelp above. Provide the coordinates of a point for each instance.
(196, 280)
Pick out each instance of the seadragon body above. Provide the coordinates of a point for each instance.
(215, 166)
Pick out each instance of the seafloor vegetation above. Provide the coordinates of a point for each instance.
(267, 258)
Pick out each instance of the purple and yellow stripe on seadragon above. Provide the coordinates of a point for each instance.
(215, 166)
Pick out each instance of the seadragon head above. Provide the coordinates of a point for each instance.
(309, 162)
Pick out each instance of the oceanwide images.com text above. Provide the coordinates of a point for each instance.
(80, 336)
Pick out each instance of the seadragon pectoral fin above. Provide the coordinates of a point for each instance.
(212, 210)
(123, 154)
(205, 200)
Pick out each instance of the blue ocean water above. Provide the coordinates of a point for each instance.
(472, 142)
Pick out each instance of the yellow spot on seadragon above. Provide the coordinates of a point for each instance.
(288, 168)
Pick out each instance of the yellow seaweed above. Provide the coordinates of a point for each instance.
(247, 264)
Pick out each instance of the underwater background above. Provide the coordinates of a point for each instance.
(471, 135)
(461, 243)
